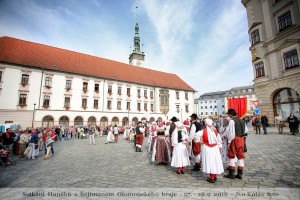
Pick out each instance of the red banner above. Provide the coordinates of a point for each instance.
(239, 105)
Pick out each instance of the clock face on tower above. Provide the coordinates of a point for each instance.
(138, 63)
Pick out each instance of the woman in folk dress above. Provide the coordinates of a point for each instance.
(211, 151)
(180, 156)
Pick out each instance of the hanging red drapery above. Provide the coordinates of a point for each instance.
(239, 105)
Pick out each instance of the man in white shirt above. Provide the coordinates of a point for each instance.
(196, 142)
(237, 131)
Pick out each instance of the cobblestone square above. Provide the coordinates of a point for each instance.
(272, 162)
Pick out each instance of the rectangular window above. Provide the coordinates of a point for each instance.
(109, 104)
(48, 81)
(25, 79)
(139, 93)
(201, 113)
(255, 37)
(128, 106)
(119, 105)
(259, 68)
(119, 91)
(177, 95)
(22, 99)
(284, 21)
(84, 103)
(205, 107)
(145, 107)
(109, 89)
(68, 84)
(128, 92)
(186, 96)
(85, 86)
(96, 103)
(152, 107)
(46, 101)
(96, 87)
(187, 108)
(151, 94)
(210, 106)
(1, 76)
(201, 107)
(145, 93)
(223, 106)
(206, 113)
(139, 106)
(215, 106)
(67, 101)
(177, 108)
(291, 59)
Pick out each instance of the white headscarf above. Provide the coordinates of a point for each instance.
(212, 138)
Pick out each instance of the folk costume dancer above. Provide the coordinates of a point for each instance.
(180, 157)
(171, 130)
(237, 132)
(139, 137)
(211, 151)
(196, 142)
(161, 149)
(152, 136)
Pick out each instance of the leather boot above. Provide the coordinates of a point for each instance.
(136, 149)
(196, 167)
(230, 174)
(239, 174)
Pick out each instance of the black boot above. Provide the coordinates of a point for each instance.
(239, 174)
(196, 168)
(136, 149)
(230, 174)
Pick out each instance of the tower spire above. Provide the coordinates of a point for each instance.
(137, 56)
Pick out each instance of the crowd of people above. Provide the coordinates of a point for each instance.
(209, 144)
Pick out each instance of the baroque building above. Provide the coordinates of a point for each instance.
(274, 34)
(42, 86)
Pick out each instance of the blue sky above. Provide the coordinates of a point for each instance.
(205, 42)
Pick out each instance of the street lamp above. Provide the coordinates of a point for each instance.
(33, 115)
(181, 113)
(128, 116)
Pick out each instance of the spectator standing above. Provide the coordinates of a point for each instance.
(257, 124)
(92, 134)
(57, 133)
(23, 142)
(293, 124)
(116, 133)
(279, 123)
(265, 123)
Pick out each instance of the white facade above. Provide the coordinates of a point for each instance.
(11, 89)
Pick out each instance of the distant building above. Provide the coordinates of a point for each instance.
(238, 92)
(46, 86)
(274, 34)
(212, 104)
(196, 107)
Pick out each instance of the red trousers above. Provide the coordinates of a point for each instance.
(236, 148)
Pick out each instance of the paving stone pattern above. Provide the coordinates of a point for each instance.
(272, 161)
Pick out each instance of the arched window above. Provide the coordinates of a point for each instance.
(286, 101)
(48, 121)
(78, 121)
(115, 121)
(152, 119)
(135, 120)
(125, 121)
(64, 121)
(92, 121)
(104, 121)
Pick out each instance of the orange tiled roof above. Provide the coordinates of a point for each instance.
(31, 54)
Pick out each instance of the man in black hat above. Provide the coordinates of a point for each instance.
(172, 128)
(139, 130)
(237, 131)
(196, 142)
